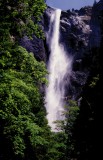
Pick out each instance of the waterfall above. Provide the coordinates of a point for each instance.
(59, 65)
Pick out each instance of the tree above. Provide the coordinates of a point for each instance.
(66, 130)
(23, 125)
(21, 17)
(22, 113)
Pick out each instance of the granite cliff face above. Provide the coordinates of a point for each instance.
(80, 32)
(36, 46)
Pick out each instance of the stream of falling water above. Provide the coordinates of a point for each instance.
(58, 66)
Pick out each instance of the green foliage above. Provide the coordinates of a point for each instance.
(21, 103)
(71, 112)
(19, 18)
(94, 81)
(64, 137)
(57, 146)
(23, 125)
(24, 132)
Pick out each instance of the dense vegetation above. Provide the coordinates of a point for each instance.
(23, 126)
(24, 133)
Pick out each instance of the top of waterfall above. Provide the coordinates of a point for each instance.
(65, 4)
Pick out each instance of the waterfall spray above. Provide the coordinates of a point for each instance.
(59, 65)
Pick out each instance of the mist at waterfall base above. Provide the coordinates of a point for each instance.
(59, 64)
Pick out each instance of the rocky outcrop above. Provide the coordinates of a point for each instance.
(34, 45)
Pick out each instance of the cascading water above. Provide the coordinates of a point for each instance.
(59, 65)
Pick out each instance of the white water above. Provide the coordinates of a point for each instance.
(58, 66)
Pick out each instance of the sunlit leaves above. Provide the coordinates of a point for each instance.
(23, 126)
(21, 17)
(21, 104)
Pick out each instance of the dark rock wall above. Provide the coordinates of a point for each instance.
(36, 46)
